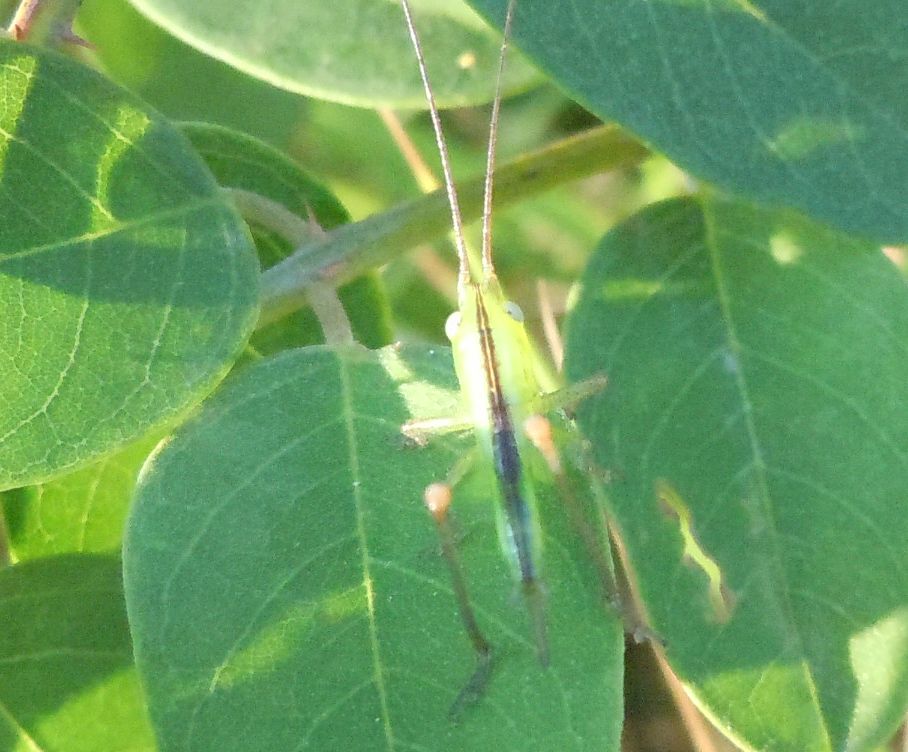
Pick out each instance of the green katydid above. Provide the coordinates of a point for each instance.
(494, 364)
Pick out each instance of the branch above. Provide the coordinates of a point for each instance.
(48, 22)
(350, 250)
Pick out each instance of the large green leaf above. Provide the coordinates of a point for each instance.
(351, 51)
(791, 102)
(66, 677)
(285, 590)
(127, 282)
(757, 378)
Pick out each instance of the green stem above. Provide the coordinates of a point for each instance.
(322, 296)
(258, 209)
(350, 250)
(47, 22)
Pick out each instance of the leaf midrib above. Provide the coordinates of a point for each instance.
(775, 566)
(349, 414)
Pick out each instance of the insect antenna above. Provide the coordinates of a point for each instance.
(463, 260)
(488, 268)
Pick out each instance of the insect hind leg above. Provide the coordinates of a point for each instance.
(438, 497)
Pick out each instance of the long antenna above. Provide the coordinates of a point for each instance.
(488, 269)
(463, 259)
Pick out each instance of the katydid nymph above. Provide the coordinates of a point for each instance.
(493, 360)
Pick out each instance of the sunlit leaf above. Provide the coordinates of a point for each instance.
(795, 103)
(66, 677)
(285, 588)
(128, 284)
(756, 369)
(82, 511)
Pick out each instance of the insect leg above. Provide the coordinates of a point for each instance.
(570, 395)
(421, 430)
(538, 430)
(438, 498)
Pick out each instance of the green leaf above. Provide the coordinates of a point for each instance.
(285, 589)
(351, 51)
(756, 369)
(84, 511)
(127, 283)
(239, 161)
(791, 103)
(180, 81)
(66, 677)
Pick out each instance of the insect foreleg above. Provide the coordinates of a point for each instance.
(571, 395)
(421, 430)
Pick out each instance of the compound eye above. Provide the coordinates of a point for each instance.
(452, 325)
(513, 310)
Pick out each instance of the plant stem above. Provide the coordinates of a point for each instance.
(258, 209)
(348, 251)
(47, 22)
(321, 295)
